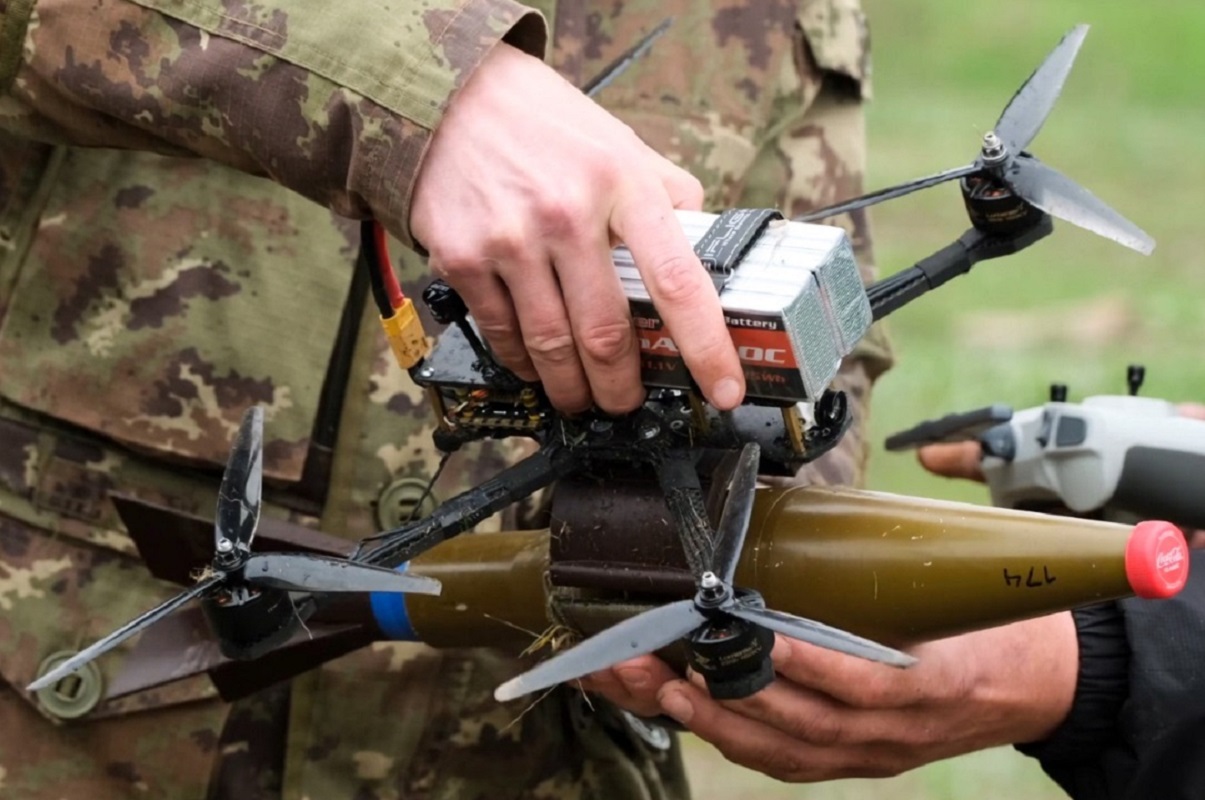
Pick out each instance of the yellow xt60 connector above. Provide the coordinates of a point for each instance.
(406, 335)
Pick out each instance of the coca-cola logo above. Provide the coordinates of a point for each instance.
(1166, 562)
(1171, 557)
(1157, 560)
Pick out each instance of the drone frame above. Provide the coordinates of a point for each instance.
(1010, 197)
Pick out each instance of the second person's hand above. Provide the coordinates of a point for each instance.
(828, 715)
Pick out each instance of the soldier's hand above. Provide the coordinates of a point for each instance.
(527, 186)
(829, 715)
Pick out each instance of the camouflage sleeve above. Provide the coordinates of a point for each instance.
(334, 100)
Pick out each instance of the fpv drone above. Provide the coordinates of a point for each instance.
(791, 349)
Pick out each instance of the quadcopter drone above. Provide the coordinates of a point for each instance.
(1114, 456)
(791, 346)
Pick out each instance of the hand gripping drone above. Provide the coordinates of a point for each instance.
(253, 603)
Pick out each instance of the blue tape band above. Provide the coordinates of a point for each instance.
(389, 610)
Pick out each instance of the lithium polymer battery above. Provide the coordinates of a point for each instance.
(794, 305)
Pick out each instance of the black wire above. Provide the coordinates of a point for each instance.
(430, 486)
(338, 371)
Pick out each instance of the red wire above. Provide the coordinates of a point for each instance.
(392, 288)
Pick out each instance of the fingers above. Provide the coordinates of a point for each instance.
(602, 332)
(554, 313)
(958, 460)
(633, 684)
(685, 191)
(829, 715)
(963, 459)
(812, 717)
(854, 682)
(751, 742)
(490, 303)
(1191, 410)
(683, 293)
(518, 205)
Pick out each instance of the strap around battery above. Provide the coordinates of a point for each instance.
(729, 238)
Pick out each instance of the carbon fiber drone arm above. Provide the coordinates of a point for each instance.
(396, 547)
(957, 258)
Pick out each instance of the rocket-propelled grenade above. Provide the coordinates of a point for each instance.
(894, 569)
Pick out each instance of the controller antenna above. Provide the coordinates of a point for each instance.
(1135, 375)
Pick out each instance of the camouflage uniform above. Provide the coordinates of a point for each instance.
(146, 299)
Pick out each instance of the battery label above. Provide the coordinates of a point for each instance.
(770, 367)
(791, 295)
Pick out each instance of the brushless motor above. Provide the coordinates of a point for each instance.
(733, 656)
(792, 297)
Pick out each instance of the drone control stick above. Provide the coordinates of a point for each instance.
(1122, 456)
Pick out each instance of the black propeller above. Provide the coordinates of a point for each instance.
(728, 631)
(245, 595)
(1005, 165)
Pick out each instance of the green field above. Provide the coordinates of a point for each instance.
(1074, 309)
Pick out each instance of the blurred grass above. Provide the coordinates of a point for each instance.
(1074, 309)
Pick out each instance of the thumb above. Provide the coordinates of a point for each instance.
(958, 460)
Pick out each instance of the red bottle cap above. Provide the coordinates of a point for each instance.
(1156, 560)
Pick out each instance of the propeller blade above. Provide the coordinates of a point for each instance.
(620, 65)
(1056, 194)
(239, 495)
(183, 646)
(738, 508)
(890, 193)
(298, 572)
(817, 633)
(179, 647)
(1027, 111)
(124, 632)
(966, 426)
(643, 633)
(174, 544)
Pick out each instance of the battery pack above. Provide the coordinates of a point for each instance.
(794, 304)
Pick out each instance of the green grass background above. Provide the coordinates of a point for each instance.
(1074, 309)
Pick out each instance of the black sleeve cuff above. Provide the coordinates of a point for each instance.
(1101, 689)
